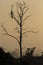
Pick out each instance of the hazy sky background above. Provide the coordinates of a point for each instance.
(35, 22)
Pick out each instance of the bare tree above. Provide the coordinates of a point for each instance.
(22, 9)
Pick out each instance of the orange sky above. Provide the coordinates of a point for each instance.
(35, 22)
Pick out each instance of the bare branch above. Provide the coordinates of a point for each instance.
(4, 29)
(25, 6)
(16, 20)
(20, 5)
(6, 33)
(30, 31)
(26, 17)
(25, 11)
(17, 10)
(12, 36)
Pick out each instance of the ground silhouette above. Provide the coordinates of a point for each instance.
(28, 59)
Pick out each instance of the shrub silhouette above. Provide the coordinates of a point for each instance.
(30, 52)
(6, 58)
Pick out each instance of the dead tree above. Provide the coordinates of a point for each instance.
(22, 9)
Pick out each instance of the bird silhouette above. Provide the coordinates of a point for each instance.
(12, 15)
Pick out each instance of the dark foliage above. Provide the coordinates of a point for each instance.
(28, 59)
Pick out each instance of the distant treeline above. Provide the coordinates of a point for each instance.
(28, 59)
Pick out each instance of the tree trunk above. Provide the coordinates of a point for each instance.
(20, 52)
(20, 40)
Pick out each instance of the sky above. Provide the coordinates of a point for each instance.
(35, 23)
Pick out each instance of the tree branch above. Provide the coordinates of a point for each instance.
(20, 5)
(16, 20)
(12, 36)
(30, 31)
(17, 10)
(6, 33)
(25, 11)
(25, 6)
(4, 29)
(26, 17)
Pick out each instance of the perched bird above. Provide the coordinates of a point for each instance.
(12, 15)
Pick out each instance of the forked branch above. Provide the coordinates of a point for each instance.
(6, 33)
(16, 20)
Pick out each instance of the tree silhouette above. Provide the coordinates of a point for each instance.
(22, 9)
